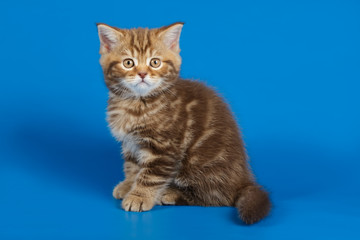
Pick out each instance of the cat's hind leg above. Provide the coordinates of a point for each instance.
(173, 196)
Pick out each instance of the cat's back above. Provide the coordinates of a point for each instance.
(208, 118)
(212, 144)
(195, 89)
(205, 100)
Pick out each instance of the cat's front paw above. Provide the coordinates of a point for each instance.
(122, 189)
(137, 204)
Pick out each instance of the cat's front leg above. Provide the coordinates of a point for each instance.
(131, 169)
(121, 189)
(154, 176)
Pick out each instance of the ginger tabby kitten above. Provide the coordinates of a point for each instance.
(180, 142)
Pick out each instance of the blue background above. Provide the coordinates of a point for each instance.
(289, 69)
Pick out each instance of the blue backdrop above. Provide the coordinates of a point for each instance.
(289, 69)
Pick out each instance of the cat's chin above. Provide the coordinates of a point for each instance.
(142, 84)
(144, 88)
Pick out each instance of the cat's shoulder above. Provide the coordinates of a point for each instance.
(197, 87)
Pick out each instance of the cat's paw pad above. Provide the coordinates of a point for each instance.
(137, 204)
(121, 190)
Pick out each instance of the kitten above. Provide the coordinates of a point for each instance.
(180, 142)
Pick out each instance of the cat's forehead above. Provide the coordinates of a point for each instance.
(141, 41)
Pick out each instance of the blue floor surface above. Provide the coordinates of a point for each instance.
(288, 69)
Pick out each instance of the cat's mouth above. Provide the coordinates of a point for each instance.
(142, 87)
(142, 83)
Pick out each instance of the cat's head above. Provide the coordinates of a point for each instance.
(140, 62)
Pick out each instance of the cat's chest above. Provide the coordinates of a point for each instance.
(124, 127)
(130, 120)
(123, 124)
(125, 116)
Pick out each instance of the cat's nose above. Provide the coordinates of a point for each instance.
(142, 74)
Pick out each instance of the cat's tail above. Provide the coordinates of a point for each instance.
(253, 204)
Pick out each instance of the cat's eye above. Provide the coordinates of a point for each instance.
(155, 62)
(128, 63)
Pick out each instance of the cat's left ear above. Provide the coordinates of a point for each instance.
(171, 36)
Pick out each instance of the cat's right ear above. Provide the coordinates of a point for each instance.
(109, 37)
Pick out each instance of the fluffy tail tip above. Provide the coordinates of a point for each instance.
(253, 204)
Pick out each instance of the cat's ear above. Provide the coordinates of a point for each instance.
(170, 35)
(109, 37)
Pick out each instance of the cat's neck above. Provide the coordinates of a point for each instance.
(143, 103)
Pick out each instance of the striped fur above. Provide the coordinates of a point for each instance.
(180, 142)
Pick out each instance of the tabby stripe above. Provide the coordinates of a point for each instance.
(170, 63)
(129, 158)
(132, 39)
(158, 171)
(147, 183)
(163, 162)
(134, 112)
(138, 194)
(136, 47)
(165, 149)
(111, 65)
(152, 148)
(148, 42)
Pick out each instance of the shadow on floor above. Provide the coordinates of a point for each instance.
(73, 154)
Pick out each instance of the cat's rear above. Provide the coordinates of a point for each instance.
(215, 170)
(181, 143)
